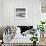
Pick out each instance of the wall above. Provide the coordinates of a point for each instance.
(36, 12)
(8, 12)
(1, 12)
(33, 12)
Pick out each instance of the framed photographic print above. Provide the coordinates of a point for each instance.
(21, 13)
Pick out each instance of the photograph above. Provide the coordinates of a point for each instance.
(21, 13)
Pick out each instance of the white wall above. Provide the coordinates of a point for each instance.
(8, 12)
(33, 12)
(1, 17)
(36, 12)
